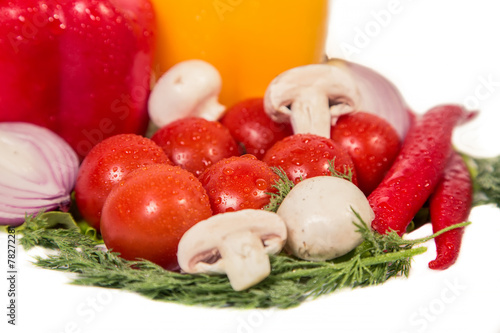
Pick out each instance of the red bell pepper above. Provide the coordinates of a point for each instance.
(81, 68)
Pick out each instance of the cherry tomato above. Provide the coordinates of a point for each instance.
(196, 143)
(253, 128)
(146, 215)
(237, 183)
(304, 156)
(372, 143)
(106, 164)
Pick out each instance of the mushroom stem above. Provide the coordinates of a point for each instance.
(210, 109)
(245, 260)
(311, 113)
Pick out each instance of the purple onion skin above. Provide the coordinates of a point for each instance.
(378, 95)
(37, 172)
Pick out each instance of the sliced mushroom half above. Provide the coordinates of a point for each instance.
(237, 244)
(311, 97)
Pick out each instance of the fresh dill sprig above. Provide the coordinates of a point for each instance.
(52, 230)
(65, 232)
(291, 282)
(486, 178)
(346, 174)
(283, 186)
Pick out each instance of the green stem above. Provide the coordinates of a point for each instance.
(370, 261)
(434, 235)
(393, 256)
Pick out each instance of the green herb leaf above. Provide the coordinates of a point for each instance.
(291, 282)
(283, 185)
(64, 231)
(486, 176)
(347, 174)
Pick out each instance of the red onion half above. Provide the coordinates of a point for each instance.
(37, 171)
(376, 94)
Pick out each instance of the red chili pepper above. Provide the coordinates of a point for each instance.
(450, 204)
(417, 169)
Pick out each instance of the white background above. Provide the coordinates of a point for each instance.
(436, 52)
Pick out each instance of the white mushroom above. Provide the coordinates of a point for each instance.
(189, 88)
(311, 97)
(318, 213)
(235, 243)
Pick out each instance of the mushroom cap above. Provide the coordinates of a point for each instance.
(198, 250)
(319, 216)
(189, 88)
(332, 82)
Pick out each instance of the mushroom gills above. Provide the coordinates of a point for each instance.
(208, 261)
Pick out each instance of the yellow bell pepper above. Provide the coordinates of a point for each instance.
(248, 41)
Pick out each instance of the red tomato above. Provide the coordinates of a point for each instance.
(237, 183)
(106, 164)
(251, 126)
(195, 143)
(308, 155)
(146, 215)
(372, 143)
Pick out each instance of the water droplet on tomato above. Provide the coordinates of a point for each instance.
(261, 184)
(249, 156)
(228, 171)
